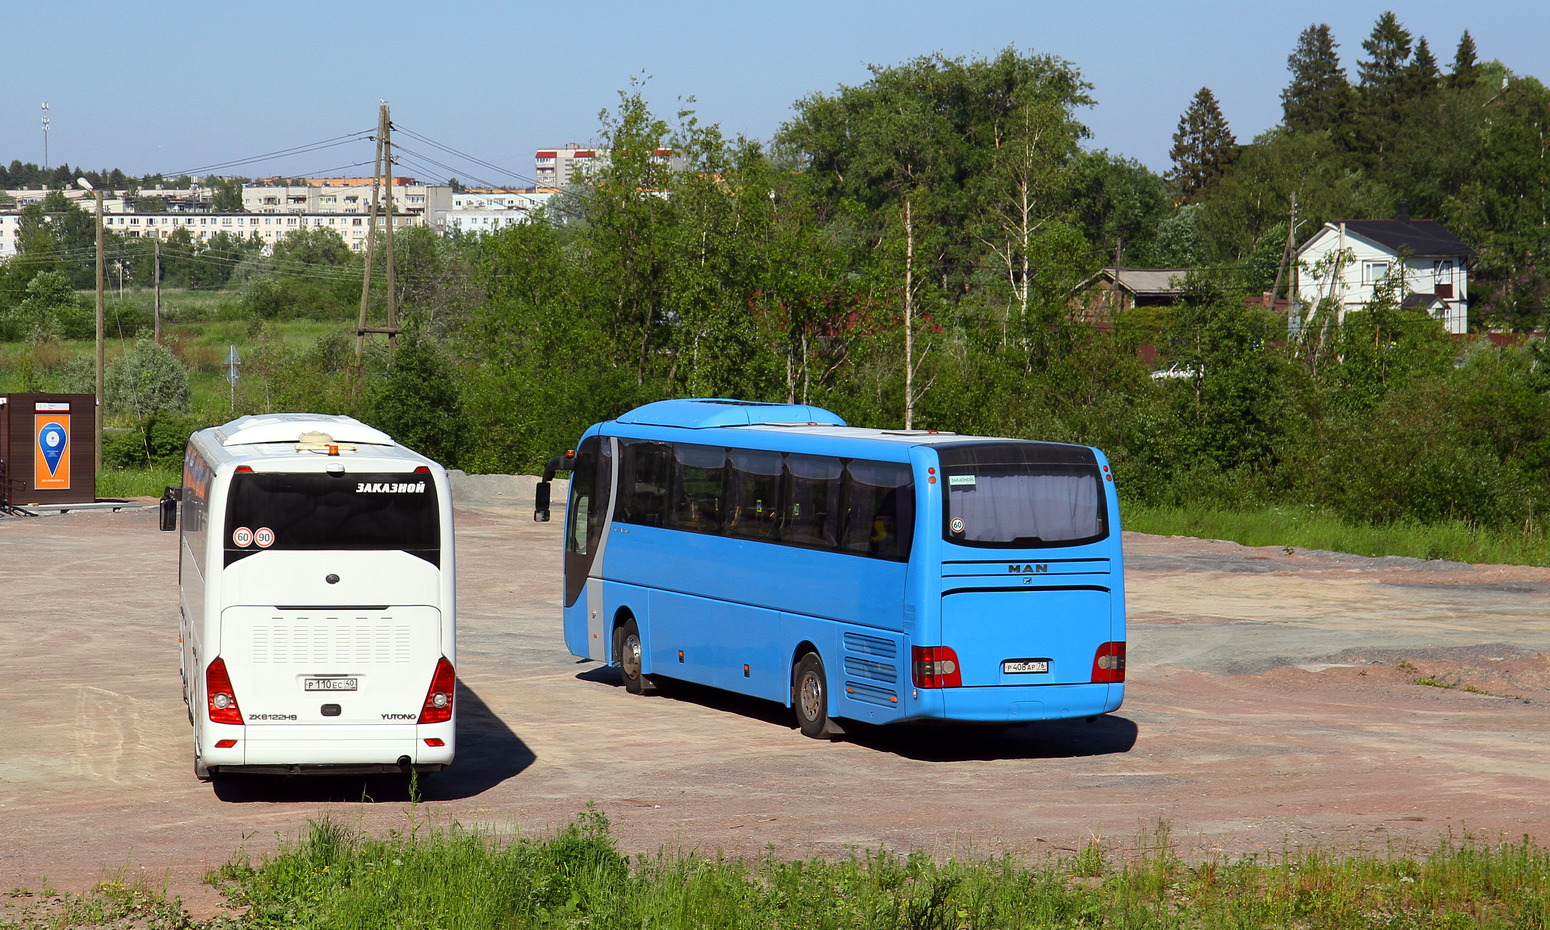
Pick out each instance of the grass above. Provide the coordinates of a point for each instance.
(337, 877)
(121, 483)
(1305, 528)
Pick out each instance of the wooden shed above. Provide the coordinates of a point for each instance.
(48, 449)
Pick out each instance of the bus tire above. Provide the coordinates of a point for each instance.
(810, 699)
(627, 655)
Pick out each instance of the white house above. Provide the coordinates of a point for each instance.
(1344, 262)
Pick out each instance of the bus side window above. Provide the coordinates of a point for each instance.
(643, 483)
(590, 481)
(698, 489)
(880, 510)
(753, 495)
(812, 501)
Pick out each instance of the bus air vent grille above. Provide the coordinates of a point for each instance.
(312, 640)
(866, 668)
(863, 644)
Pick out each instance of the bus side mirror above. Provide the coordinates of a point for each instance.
(541, 493)
(541, 502)
(169, 508)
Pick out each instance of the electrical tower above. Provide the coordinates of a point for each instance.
(382, 183)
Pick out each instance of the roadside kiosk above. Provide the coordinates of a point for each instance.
(48, 449)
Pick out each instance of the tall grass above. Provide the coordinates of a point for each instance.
(338, 877)
(1306, 528)
(121, 483)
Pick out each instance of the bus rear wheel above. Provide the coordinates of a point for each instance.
(627, 655)
(810, 699)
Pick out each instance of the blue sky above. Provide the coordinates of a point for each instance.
(170, 85)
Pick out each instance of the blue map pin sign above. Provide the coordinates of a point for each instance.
(51, 440)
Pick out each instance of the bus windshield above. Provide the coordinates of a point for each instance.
(288, 511)
(1016, 495)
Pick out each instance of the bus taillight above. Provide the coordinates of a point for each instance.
(438, 700)
(936, 667)
(222, 699)
(1109, 663)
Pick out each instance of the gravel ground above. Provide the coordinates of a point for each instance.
(1273, 702)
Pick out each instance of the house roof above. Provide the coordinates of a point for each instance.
(1145, 281)
(1419, 238)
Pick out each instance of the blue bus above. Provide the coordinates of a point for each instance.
(870, 575)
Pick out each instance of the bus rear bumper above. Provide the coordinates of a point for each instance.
(338, 750)
(1014, 704)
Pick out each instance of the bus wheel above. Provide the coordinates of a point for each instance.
(627, 656)
(810, 699)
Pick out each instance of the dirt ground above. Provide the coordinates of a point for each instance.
(1272, 703)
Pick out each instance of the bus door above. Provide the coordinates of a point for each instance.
(586, 519)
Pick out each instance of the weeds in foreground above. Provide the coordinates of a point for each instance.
(338, 877)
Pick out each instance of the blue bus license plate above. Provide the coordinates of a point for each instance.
(329, 684)
(1025, 667)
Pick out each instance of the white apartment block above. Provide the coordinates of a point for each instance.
(345, 195)
(559, 167)
(204, 227)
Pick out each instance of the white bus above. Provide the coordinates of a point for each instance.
(317, 596)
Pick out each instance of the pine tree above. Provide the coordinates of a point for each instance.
(1203, 146)
(1421, 76)
(1381, 92)
(1465, 69)
(1319, 95)
(1388, 50)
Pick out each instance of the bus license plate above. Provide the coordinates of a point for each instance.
(1025, 666)
(330, 684)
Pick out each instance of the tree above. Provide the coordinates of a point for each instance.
(416, 401)
(1421, 77)
(226, 195)
(145, 380)
(1319, 97)
(1203, 146)
(50, 310)
(1382, 85)
(1465, 69)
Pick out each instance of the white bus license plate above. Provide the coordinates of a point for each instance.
(1025, 666)
(330, 684)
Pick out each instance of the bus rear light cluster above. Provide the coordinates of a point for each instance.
(1109, 664)
(221, 698)
(936, 667)
(438, 700)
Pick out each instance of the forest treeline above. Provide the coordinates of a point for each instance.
(910, 251)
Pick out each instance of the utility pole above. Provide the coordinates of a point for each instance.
(382, 181)
(158, 291)
(1286, 254)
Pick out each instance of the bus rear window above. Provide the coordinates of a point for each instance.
(363, 511)
(1019, 495)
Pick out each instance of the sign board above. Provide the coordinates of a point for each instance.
(51, 454)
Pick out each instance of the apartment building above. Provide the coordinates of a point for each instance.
(557, 168)
(344, 195)
(202, 228)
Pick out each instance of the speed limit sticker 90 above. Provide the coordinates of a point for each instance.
(263, 537)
